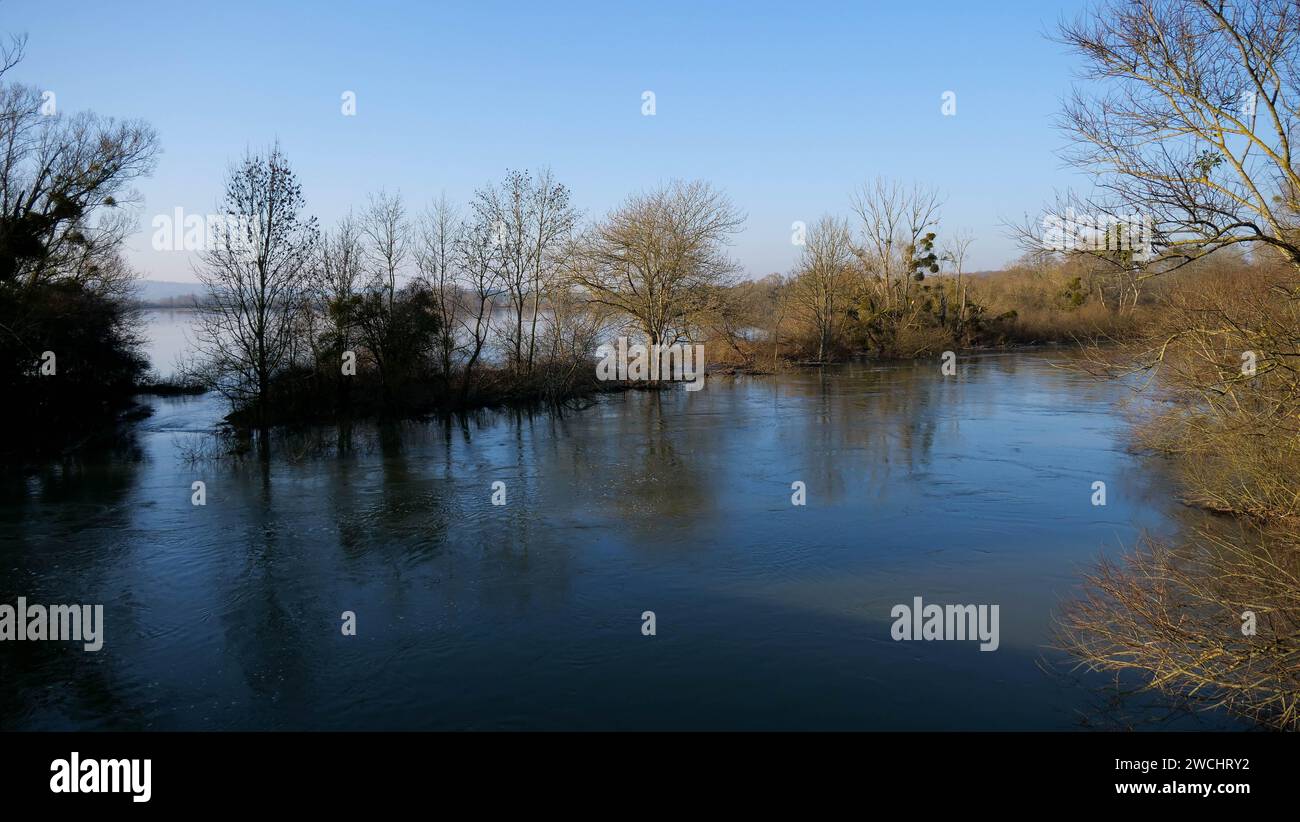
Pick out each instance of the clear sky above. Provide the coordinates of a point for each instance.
(785, 106)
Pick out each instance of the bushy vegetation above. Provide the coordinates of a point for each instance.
(81, 372)
(1212, 617)
(69, 353)
(388, 314)
(803, 318)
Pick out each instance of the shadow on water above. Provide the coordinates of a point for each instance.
(974, 489)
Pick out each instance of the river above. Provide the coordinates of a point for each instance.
(976, 488)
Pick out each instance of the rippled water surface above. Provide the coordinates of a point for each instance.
(973, 489)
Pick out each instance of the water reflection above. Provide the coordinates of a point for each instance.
(973, 489)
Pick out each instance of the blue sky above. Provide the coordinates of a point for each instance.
(787, 107)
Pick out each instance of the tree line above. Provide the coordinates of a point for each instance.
(507, 297)
(502, 299)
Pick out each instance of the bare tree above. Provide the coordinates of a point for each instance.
(256, 276)
(955, 249)
(340, 266)
(777, 298)
(1193, 128)
(822, 283)
(571, 334)
(435, 259)
(385, 229)
(65, 188)
(550, 229)
(337, 280)
(657, 257)
(893, 221)
(531, 219)
(481, 287)
(387, 247)
(12, 53)
(506, 213)
(65, 211)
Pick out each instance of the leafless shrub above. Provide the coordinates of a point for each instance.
(1175, 616)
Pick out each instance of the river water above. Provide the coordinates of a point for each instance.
(973, 489)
